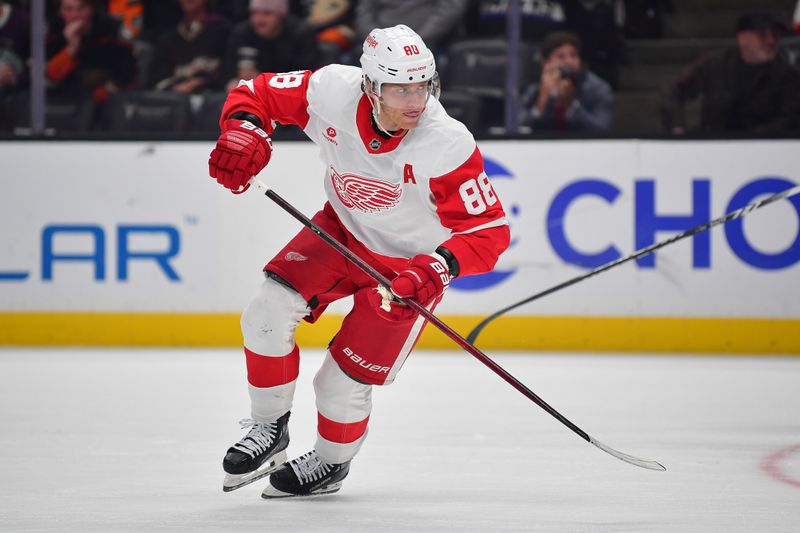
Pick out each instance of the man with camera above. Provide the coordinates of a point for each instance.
(567, 95)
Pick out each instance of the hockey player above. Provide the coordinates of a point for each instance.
(406, 191)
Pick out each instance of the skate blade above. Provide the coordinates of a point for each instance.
(271, 492)
(237, 481)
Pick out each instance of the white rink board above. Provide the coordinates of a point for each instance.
(161, 195)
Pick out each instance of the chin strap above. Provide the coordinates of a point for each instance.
(376, 110)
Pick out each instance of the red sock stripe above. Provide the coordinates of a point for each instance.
(268, 371)
(341, 432)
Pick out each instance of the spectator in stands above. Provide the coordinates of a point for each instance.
(567, 95)
(746, 88)
(436, 21)
(188, 59)
(334, 22)
(85, 54)
(271, 40)
(14, 48)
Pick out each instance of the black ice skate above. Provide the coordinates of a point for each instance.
(260, 452)
(306, 476)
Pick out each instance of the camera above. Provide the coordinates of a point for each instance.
(568, 73)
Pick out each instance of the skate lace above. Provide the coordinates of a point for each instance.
(258, 439)
(310, 467)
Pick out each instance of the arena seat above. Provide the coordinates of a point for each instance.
(464, 107)
(62, 114)
(148, 112)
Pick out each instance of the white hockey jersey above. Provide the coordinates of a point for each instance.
(400, 196)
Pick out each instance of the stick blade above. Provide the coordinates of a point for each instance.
(643, 463)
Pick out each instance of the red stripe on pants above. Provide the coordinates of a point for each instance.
(268, 371)
(343, 433)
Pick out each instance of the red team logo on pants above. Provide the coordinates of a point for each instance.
(366, 194)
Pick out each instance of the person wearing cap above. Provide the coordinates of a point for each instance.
(749, 88)
(406, 192)
(271, 40)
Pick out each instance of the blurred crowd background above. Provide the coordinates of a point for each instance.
(583, 67)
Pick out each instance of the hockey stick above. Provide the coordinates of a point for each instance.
(473, 335)
(447, 330)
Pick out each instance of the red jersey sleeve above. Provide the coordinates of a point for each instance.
(271, 97)
(467, 204)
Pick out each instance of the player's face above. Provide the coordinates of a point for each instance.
(402, 104)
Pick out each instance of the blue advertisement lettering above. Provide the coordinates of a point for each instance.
(555, 222)
(734, 230)
(124, 254)
(96, 256)
(648, 223)
(94, 253)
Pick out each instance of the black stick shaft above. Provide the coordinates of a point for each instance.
(473, 335)
(430, 317)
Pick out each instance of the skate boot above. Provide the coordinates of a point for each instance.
(260, 452)
(306, 476)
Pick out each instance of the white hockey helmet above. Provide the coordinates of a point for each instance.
(397, 55)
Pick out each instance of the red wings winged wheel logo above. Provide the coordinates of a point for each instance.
(365, 194)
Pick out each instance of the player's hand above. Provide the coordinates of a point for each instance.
(424, 279)
(242, 151)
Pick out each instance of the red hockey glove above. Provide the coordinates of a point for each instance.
(424, 279)
(242, 151)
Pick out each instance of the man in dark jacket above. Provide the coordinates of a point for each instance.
(749, 88)
(271, 40)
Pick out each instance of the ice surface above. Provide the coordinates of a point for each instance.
(97, 440)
